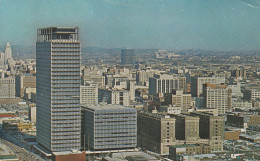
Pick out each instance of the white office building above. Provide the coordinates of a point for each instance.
(89, 93)
(161, 84)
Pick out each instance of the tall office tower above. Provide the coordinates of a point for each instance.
(217, 96)
(161, 84)
(127, 56)
(58, 89)
(197, 84)
(211, 127)
(8, 52)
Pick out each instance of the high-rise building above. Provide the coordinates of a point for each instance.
(8, 52)
(58, 88)
(197, 84)
(217, 96)
(127, 56)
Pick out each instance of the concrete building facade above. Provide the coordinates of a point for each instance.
(161, 84)
(187, 128)
(181, 100)
(89, 93)
(8, 52)
(114, 96)
(211, 127)
(58, 57)
(155, 132)
(7, 87)
(127, 56)
(24, 81)
(197, 84)
(110, 127)
(217, 96)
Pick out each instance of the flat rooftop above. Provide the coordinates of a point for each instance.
(184, 146)
(107, 107)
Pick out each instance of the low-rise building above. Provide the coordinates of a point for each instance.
(14, 126)
(189, 149)
(243, 120)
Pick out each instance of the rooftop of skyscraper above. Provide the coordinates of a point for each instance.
(57, 33)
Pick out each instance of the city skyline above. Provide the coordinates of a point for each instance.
(179, 25)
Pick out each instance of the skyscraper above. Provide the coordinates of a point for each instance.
(58, 89)
(127, 56)
(8, 52)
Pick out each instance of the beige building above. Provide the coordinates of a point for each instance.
(7, 87)
(32, 114)
(89, 93)
(2, 58)
(155, 132)
(181, 100)
(197, 84)
(28, 93)
(158, 131)
(142, 76)
(182, 83)
(211, 127)
(217, 96)
(187, 128)
(24, 81)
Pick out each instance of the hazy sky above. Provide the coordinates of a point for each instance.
(165, 24)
